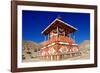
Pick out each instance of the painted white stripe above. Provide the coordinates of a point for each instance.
(43, 47)
(64, 43)
(74, 44)
(51, 44)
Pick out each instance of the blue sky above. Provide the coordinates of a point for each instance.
(34, 22)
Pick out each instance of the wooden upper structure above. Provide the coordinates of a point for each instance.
(59, 23)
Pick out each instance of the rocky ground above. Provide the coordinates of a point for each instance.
(30, 51)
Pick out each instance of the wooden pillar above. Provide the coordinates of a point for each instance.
(64, 34)
(71, 55)
(51, 57)
(57, 32)
(62, 57)
(55, 57)
(43, 57)
(47, 57)
(58, 57)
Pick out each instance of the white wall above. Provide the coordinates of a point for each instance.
(5, 18)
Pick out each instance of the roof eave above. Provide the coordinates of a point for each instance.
(60, 21)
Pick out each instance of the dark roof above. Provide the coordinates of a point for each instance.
(59, 23)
